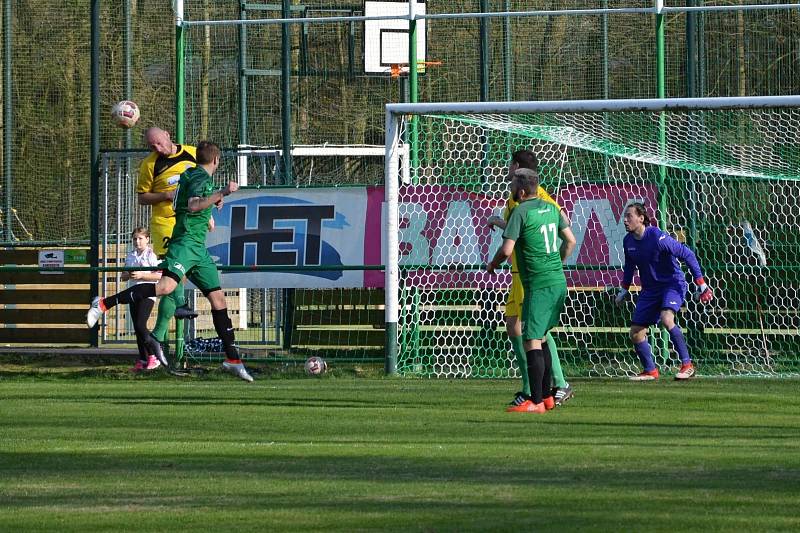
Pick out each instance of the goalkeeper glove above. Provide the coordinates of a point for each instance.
(703, 293)
(621, 296)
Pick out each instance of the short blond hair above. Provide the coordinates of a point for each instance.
(141, 230)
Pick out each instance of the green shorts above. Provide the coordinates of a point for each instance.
(193, 261)
(541, 309)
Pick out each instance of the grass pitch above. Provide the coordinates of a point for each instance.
(350, 454)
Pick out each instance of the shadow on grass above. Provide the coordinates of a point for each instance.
(395, 492)
(306, 463)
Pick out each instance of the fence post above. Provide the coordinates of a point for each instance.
(94, 158)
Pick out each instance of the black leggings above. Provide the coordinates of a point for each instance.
(140, 312)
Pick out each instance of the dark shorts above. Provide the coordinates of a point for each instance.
(652, 301)
(193, 261)
(541, 309)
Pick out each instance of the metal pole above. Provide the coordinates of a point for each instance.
(691, 92)
(94, 155)
(484, 46)
(660, 48)
(662, 141)
(180, 115)
(8, 119)
(507, 53)
(605, 51)
(606, 158)
(413, 81)
(180, 75)
(661, 93)
(392, 272)
(286, 100)
(243, 74)
(286, 145)
(126, 73)
(691, 51)
(701, 53)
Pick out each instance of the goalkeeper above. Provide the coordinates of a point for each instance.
(654, 253)
(188, 256)
(527, 160)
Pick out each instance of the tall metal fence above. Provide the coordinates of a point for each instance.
(237, 88)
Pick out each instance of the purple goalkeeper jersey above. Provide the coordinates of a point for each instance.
(656, 256)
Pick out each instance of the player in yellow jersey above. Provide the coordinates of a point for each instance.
(527, 159)
(159, 174)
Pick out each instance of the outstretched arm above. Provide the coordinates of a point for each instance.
(503, 253)
(197, 203)
(496, 221)
(153, 198)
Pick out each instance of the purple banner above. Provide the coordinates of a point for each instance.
(443, 228)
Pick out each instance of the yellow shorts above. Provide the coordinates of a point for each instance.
(160, 233)
(516, 295)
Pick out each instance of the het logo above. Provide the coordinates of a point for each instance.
(283, 235)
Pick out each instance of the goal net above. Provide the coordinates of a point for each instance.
(722, 176)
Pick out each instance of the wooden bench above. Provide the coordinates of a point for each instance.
(40, 308)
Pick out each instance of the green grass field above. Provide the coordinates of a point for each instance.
(346, 453)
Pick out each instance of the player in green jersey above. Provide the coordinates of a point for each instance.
(532, 233)
(159, 173)
(187, 256)
(516, 295)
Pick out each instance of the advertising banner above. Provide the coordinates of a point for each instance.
(443, 234)
(291, 227)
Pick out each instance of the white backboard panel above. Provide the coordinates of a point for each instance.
(386, 41)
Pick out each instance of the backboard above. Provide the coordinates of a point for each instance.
(386, 41)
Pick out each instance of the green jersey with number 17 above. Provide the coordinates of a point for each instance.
(192, 227)
(534, 226)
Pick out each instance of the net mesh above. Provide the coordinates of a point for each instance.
(46, 166)
(724, 182)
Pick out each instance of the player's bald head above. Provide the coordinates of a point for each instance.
(153, 132)
(158, 140)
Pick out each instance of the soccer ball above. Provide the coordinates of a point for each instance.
(316, 366)
(125, 113)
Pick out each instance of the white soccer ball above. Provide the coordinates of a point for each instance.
(316, 366)
(125, 113)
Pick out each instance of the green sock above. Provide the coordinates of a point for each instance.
(166, 310)
(522, 362)
(180, 295)
(558, 374)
